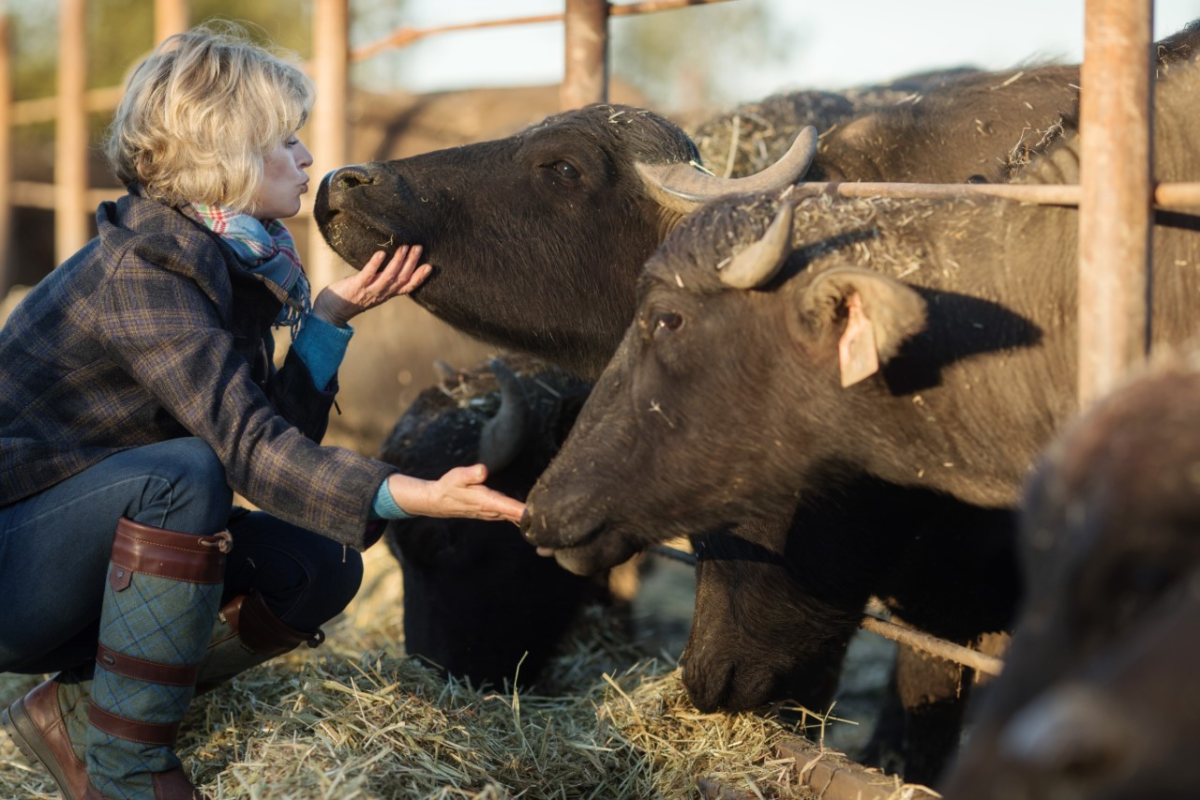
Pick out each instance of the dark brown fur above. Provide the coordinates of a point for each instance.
(1097, 697)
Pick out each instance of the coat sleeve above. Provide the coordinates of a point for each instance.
(292, 392)
(166, 332)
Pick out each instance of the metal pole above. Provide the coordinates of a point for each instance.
(170, 17)
(71, 136)
(331, 55)
(1115, 195)
(585, 76)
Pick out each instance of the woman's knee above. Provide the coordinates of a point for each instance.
(189, 491)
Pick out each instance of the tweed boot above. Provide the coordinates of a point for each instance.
(160, 601)
(247, 634)
(49, 725)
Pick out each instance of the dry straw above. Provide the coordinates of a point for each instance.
(357, 719)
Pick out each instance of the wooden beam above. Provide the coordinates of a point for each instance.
(71, 137)
(331, 37)
(403, 37)
(585, 73)
(170, 17)
(1116, 193)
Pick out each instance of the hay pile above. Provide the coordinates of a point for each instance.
(356, 719)
(751, 137)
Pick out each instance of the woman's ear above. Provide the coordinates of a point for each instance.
(877, 315)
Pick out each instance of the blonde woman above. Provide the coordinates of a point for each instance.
(138, 392)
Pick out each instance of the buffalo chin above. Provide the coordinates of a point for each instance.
(594, 557)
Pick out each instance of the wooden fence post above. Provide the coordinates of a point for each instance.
(331, 56)
(71, 134)
(170, 17)
(1116, 185)
(585, 73)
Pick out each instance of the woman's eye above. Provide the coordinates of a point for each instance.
(666, 321)
(565, 170)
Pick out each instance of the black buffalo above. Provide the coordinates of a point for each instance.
(478, 602)
(951, 322)
(1098, 697)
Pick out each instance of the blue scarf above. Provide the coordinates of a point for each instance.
(266, 250)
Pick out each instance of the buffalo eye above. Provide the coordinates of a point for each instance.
(666, 321)
(565, 170)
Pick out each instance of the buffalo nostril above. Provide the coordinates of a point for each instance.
(351, 178)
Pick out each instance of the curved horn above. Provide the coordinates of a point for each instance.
(504, 435)
(684, 188)
(759, 262)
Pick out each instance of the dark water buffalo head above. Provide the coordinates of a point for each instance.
(713, 388)
(478, 601)
(1098, 697)
(536, 239)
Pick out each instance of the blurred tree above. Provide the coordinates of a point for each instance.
(122, 31)
(370, 21)
(690, 59)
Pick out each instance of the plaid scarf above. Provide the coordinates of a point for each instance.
(266, 250)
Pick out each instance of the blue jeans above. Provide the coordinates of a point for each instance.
(55, 548)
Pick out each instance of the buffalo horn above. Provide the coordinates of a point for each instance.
(504, 435)
(684, 188)
(759, 262)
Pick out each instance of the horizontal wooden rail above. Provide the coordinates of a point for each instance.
(1166, 195)
(980, 662)
(403, 37)
(45, 109)
(43, 195)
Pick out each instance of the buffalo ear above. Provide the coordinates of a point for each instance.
(880, 313)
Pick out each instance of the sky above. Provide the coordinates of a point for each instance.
(840, 43)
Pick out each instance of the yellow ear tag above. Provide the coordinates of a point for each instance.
(857, 352)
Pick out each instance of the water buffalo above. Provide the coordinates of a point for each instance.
(478, 601)
(586, 196)
(921, 346)
(1097, 699)
(528, 271)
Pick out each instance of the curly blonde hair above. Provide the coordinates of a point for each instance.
(201, 112)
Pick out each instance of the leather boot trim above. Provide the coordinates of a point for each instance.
(142, 670)
(35, 723)
(174, 785)
(131, 730)
(260, 630)
(168, 554)
(93, 793)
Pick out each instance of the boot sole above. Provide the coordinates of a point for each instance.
(24, 733)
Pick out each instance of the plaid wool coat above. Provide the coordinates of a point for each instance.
(154, 331)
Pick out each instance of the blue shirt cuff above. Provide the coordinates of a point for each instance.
(384, 506)
(322, 347)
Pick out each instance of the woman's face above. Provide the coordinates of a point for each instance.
(284, 180)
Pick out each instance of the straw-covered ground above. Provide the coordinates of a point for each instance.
(355, 718)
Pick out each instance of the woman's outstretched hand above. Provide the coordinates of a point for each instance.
(458, 493)
(341, 301)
